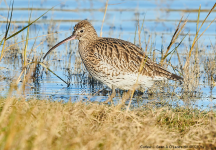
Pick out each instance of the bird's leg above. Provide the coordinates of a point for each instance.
(111, 96)
(126, 96)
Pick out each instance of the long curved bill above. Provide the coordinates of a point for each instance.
(72, 37)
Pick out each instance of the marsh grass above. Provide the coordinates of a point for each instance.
(25, 64)
(185, 71)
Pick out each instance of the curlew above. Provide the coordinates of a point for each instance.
(115, 62)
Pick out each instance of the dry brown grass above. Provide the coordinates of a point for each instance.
(44, 124)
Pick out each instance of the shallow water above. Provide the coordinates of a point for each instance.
(160, 18)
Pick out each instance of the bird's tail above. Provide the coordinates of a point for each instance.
(175, 77)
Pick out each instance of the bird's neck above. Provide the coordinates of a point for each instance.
(85, 43)
(83, 48)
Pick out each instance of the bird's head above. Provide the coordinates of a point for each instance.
(83, 31)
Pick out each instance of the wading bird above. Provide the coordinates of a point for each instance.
(115, 62)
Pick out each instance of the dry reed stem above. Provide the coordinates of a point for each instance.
(146, 48)
(195, 38)
(3, 50)
(27, 77)
(104, 18)
(174, 37)
(139, 34)
(136, 84)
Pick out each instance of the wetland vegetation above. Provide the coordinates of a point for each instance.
(39, 111)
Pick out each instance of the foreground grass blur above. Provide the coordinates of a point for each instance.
(44, 124)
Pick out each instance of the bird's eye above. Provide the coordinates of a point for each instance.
(81, 31)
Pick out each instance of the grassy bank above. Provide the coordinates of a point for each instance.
(44, 124)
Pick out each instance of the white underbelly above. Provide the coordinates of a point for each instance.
(123, 79)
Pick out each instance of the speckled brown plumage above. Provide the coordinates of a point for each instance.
(115, 62)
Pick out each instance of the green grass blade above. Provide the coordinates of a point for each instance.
(42, 64)
(8, 22)
(6, 33)
(7, 29)
(172, 51)
(29, 24)
(26, 43)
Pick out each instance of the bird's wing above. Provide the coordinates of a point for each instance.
(127, 57)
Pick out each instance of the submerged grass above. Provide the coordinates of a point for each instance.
(44, 124)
